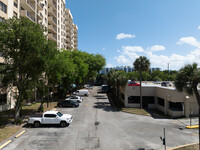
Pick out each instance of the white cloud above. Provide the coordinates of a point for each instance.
(123, 36)
(157, 48)
(198, 27)
(128, 55)
(118, 51)
(121, 59)
(103, 48)
(109, 65)
(189, 40)
(133, 48)
(175, 61)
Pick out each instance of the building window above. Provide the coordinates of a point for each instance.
(3, 98)
(148, 99)
(175, 106)
(1, 19)
(3, 7)
(134, 99)
(161, 101)
(15, 4)
(14, 14)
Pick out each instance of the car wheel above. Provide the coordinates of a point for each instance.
(60, 106)
(36, 124)
(63, 124)
(85, 94)
(73, 105)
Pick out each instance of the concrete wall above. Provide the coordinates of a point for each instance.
(169, 94)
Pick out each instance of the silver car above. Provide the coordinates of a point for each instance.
(78, 99)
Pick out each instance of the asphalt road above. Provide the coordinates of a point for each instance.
(97, 126)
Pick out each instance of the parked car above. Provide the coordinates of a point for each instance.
(166, 84)
(104, 88)
(74, 98)
(82, 93)
(89, 87)
(157, 82)
(68, 103)
(133, 83)
(51, 117)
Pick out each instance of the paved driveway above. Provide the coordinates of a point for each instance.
(97, 126)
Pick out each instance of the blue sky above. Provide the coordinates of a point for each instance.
(165, 31)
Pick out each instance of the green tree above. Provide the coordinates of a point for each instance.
(187, 79)
(23, 46)
(117, 79)
(141, 64)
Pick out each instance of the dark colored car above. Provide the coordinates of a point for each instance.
(67, 103)
(166, 84)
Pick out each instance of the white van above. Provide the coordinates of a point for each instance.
(82, 93)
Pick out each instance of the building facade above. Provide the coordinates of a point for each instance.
(52, 14)
(166, 99)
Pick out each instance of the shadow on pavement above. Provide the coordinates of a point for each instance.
(105, 106)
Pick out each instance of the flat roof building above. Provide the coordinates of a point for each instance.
(166, 99)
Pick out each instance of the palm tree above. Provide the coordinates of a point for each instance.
(141, 64)
(187, 79)
(117, 79)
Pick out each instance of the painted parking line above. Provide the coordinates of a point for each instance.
(3, 145)
(54, 109)
(86, 104)
(18, 135)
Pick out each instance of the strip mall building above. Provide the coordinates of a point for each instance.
(166, 99)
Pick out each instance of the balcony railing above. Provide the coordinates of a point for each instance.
(32, 5)
(30, 16)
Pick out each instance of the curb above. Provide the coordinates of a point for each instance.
(5, 144)
(181, 146)
(192, 127)
(22, 132)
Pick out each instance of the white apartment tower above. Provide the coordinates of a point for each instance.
(52, 14)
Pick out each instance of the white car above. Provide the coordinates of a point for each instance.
(82, 93)
(74, 99)
(51, 117)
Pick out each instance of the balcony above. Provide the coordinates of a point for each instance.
(52, 12)
(52, 28)
(52, 21)
(28, 15)
(28, 5)
(39, 5)
(75, 45)
(52, 37)
(52, 4)
(40, 16)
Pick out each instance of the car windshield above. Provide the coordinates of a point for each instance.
(59, 114)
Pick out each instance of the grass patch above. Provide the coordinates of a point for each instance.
(7, 118)
(6, 132)
(137, 111)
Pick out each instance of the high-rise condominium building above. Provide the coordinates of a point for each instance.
(52, 14)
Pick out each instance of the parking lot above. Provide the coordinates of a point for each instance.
(97, 125)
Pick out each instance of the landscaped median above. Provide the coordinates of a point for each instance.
(7, 128)
(136, 111)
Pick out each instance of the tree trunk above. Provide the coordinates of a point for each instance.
(140, 89)
(17, 110)
(48, 97)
